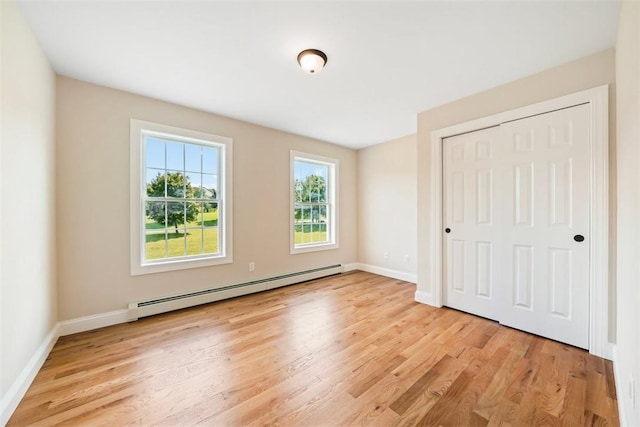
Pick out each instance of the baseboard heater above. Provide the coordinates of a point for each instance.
(176, 302)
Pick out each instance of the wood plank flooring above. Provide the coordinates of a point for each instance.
(352, 349)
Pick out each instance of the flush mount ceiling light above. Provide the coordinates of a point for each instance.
(312, 61)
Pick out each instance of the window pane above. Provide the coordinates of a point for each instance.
(192, 212)
(175, 184)
(154, 150)
(175, 155)
(299, 234)
(211, 236)
(304, 169)
(194, 185)
(210, 186)
(175, 216)
(155, 244)
(210, 214)
(154, 215)
(322, 213)
(155, 182)
(306, 232)
(297, 191)
(319, 233)
(192, 158)
(322, 189)
(194, 241)
(197, 221)
(297, 214)
(315, 213)
(322, 227)
(210, 160)
(310, 182)
(175, 243)
(175, 229)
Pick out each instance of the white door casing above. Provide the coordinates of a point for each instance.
(430, 289)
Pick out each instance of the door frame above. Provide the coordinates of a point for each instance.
(597, 98)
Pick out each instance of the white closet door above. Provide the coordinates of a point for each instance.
(471, 248)
(545, 280)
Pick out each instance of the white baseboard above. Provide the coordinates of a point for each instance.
(17, 390)
(95, 321)
(425, 298)
(622, 411)
(350, 267)
(394, 274)
(608, 351)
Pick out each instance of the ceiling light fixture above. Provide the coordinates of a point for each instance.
(312, 61)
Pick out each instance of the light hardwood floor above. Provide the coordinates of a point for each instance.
(352, 349)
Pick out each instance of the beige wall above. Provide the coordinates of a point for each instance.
(27, 234)
(387, 205)
(93, 200)
(628, 103)
(585, 73)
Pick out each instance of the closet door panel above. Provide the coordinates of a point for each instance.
(470, 214)
(548, 201)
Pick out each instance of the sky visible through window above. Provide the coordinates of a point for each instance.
(199, 163)
(304, 169)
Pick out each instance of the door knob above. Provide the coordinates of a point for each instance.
(447, 230)
(578, 238)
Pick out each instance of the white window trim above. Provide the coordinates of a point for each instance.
(137, 171)
(333, 202)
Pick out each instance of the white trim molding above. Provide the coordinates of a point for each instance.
(95, 321)
(622, 404)
(423, 297)
(597, 98)
(394, 274)
(17, 390)
(353, 266)
(11, 399)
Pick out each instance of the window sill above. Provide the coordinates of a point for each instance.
(313, 248)
(165, 266)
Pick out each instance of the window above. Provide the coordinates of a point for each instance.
(313, 203)
(180, 198)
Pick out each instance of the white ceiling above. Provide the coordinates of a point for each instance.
(387, 60)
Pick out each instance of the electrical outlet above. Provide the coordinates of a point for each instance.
(386, 255)
(252, 266)
(406, 259)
